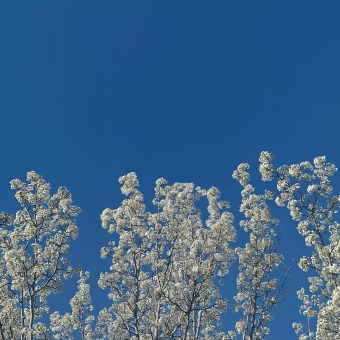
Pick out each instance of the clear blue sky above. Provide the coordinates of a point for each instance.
(91, 90)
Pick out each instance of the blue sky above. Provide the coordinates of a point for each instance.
(92, 90)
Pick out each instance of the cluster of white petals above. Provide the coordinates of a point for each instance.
(265, 165)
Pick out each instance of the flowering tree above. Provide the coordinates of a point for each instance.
(305, 190)
(163, 281)
(163, 268)
(258, 290)
(32, 262)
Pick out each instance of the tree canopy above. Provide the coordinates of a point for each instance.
(169, 263)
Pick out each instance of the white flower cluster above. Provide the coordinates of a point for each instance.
(265, 165)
